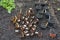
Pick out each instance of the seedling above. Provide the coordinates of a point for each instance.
(7, 4)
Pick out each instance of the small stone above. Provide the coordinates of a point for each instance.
(37, 19)
(16, 30)
(34, 25)
(27, 28)
(29, 11)
(18, 20)
(26, 18)
(33, 29)
(27, 22)
(30, 8)
(27, 34)
(36, 32)
(23, 17)
(24, 25)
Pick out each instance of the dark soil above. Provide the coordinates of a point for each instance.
(7, 28)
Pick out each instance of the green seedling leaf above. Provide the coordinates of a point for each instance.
(7, 4)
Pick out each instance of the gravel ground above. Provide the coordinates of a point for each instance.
(7, 28)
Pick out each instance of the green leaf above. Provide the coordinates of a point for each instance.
(11, 0)
(8, 4)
